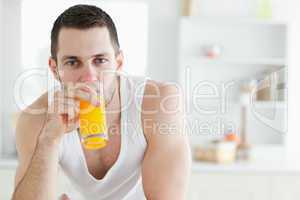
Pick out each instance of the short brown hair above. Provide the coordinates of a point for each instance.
(83, 17)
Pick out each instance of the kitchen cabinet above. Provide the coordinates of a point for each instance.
(285, 187)
(6, 183)
(229, 186)
(268, 175)
(203, 185)
(217, 56)
(240, 186)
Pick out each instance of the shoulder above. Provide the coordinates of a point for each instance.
(34, 112)
(160, 87)
(30, 122)
(162, 109)
(162, 98)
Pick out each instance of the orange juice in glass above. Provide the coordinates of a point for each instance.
(92, 125)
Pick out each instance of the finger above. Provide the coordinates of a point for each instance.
(92, 88)
(88, 87)
(80, 91)
(69, 107)
(91, 98)
(70, 90)
(84, 93)
(73, 116)
(60, 98)
(97, 86)
(64, 197)
(72, 124)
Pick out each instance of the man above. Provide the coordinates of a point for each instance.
(147, 156)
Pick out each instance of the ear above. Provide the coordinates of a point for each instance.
(53, 67)
(120, 60)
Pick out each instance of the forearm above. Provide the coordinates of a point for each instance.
(170, 182)
(39, 181)
(172, 178)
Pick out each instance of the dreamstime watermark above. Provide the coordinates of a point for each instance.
(168, 99)
(181, 127)
(169, 102)
(273, 113)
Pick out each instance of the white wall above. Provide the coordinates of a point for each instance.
(293, 137)
(11, 67)
(132, 30)
(1, 58)
(162, 51)
(162, 61)
(163, 39)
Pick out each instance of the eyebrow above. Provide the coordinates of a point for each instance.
(77, 58)
(69, 57)
(100, 55)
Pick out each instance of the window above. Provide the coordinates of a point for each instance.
(34, 28)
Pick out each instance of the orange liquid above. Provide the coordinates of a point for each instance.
(92, 122)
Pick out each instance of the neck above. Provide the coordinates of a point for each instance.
(113, 107)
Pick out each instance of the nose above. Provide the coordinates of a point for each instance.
(89, 74)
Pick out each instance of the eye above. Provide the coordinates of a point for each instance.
(72, 63)
(99, 61)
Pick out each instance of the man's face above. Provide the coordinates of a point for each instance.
(85, 55)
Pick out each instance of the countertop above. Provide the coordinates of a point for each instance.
(8, 163)
(263, 159)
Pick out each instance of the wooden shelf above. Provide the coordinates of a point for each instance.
(277, 62)
(270, 104)
(8, 163)
(233, 21)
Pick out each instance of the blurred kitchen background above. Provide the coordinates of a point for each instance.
(230, 57)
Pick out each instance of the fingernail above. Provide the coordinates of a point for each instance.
(86, 89)
(98, 103)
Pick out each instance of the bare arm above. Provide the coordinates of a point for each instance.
(166, 165)
(38, 158)
(38, 138)
(39, 180)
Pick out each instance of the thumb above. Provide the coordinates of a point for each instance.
(64, 197)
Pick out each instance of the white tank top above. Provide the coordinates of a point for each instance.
(123, 180)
